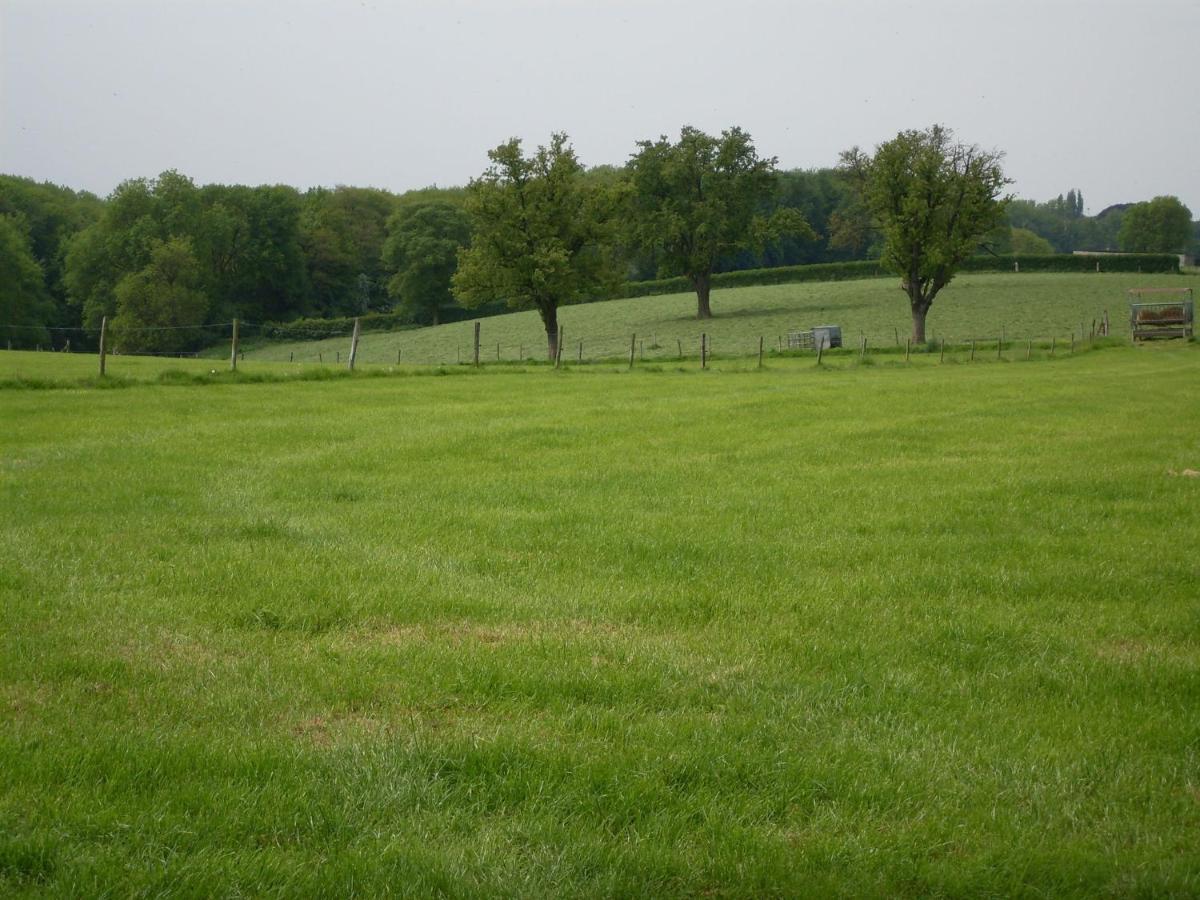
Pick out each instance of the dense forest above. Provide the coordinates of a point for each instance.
(160, 253)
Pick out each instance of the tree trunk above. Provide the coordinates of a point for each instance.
(435, 316)
(703, 285)
(919, 312)
(550, 320)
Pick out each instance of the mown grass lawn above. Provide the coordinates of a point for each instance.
(865, 630)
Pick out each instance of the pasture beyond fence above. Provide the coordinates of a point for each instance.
(341, 348)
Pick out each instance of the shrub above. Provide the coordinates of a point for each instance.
(844, 271)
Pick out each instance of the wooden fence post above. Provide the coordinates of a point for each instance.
(862, 350)
(820, 350)
(999, 349)
(704, 350)
(558, 348)
(1029, 350)
(632, 348)
(477, 345)
(581, 352)
(233, 350)
(103, 348)
(942, 355)
(760, 349)
(972, 349)
(907, 347)
(679, 341)
(1054, 341)
(397, 356)
(353, 346)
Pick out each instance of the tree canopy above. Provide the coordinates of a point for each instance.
(341, 235)
(160, 305)
(540, 233)
(933, 199)
(1024, 242)
(1161, 225)
(24, 303)
(421, 252)
(702, 198)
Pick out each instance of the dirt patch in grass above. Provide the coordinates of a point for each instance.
(23, 697)
(165, 649)
(1131, 651)
(335, 727)
(465, 632)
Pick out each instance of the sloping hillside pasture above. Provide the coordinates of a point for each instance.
(863, 630)
(1029, 306)
(1037, 307)
(32, 370)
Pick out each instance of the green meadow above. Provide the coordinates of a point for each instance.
(857, 629)
(1020, 307)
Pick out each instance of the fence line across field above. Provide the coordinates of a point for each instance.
(613, 350)
(631, 348)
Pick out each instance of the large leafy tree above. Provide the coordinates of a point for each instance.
(342, 233)
(700, 199)
(158, 305)
(933, 199)
(24, 303)
(244, 242)
(1161, 225)
(117, 244)
(51, 215)
(247, 243)
(1024, 242)
(540, 233)
(421, 251)
(819, 196)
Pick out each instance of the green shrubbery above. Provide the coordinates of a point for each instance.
(398, 320)
(1055, 262)
(1069, 262)
(309, 329)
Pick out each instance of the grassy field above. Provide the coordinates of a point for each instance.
(859, 630)
(1031, 306)
(20, 370)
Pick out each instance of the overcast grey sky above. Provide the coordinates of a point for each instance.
(1096, 95)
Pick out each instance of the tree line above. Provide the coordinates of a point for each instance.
(160, 255)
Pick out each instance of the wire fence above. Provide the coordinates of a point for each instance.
(654, 347)
(228, 343)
